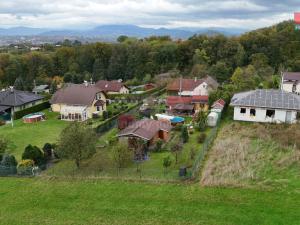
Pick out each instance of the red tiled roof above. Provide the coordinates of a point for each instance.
(186, 84)
(218, 104)
(145, 129)
(199, 99)
(114, 86)
(174, 100)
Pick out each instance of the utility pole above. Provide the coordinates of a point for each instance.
(12, 116)
(180, 86)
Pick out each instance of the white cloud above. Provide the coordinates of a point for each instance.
(158, 13)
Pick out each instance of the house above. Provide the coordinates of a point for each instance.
(192, 87)
(12, 100)
(41, 89)
(266, 106)
(290, 82)
(187, 104)
(112, 87)
(79, 102)
(148, 130)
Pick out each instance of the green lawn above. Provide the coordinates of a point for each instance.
(101, 164)
(36, 134)
(41, 201)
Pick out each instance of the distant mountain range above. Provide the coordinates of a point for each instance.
(114, 31)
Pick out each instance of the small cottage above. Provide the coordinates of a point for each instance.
(290, 82)
(273, 106)
(147, 130)
(112, 87)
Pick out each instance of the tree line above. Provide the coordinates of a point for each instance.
(248, 60)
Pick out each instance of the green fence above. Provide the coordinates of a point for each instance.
(204, 149)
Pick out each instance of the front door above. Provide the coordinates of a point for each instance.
(288, 117)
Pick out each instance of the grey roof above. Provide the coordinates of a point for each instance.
(145, 129)
(263, 98)
(76, 94)
(40, 88)
(17, 98)
(294, 76)
(3, 108)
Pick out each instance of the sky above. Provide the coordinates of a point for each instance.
(242, 14)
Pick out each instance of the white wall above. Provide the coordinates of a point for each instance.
(280, 115)
(202, 89)
(288, 86)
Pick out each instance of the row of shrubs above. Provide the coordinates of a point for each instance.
(33, 109)
(33, 158)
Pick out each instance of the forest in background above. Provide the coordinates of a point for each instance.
(252, 60)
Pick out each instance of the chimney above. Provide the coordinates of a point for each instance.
(195, 79)
(86, 83)
(11, 88)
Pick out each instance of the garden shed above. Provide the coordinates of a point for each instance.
(212, 119)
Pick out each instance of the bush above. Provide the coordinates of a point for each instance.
(8, 165)
(47, 149)
(167, 162)
(184, 134)
(158, 146)
(35, 154)
(33, 109)
(2, 122)
(201, 138)
(25, 167)
(105, 115)
(178, 127)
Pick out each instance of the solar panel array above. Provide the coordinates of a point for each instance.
(267, 99)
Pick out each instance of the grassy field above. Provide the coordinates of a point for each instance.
(102, 164)
(36, 134)
(40, 201)
(247, 154)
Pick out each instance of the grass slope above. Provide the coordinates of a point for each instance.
(265, 155)
(38, 201)
(36, 134)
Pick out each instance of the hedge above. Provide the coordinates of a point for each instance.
(33, 109)
(109, 123)
(135, 96)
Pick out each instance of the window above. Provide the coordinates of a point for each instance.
(252, 112)
(98, 96)
(243, 110)
(270, 113)
(98, 108)
(294, 88)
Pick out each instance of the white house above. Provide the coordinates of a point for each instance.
(262, 105)
(192, 87)
(290, 82)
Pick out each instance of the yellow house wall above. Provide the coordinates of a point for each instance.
(90, 109)
(198, 107)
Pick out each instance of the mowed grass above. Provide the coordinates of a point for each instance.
(37, 134)
(103, 165)
(40, 201)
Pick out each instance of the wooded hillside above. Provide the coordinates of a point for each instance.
(254, 56)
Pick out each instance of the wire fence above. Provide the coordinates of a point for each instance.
(198, 163)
